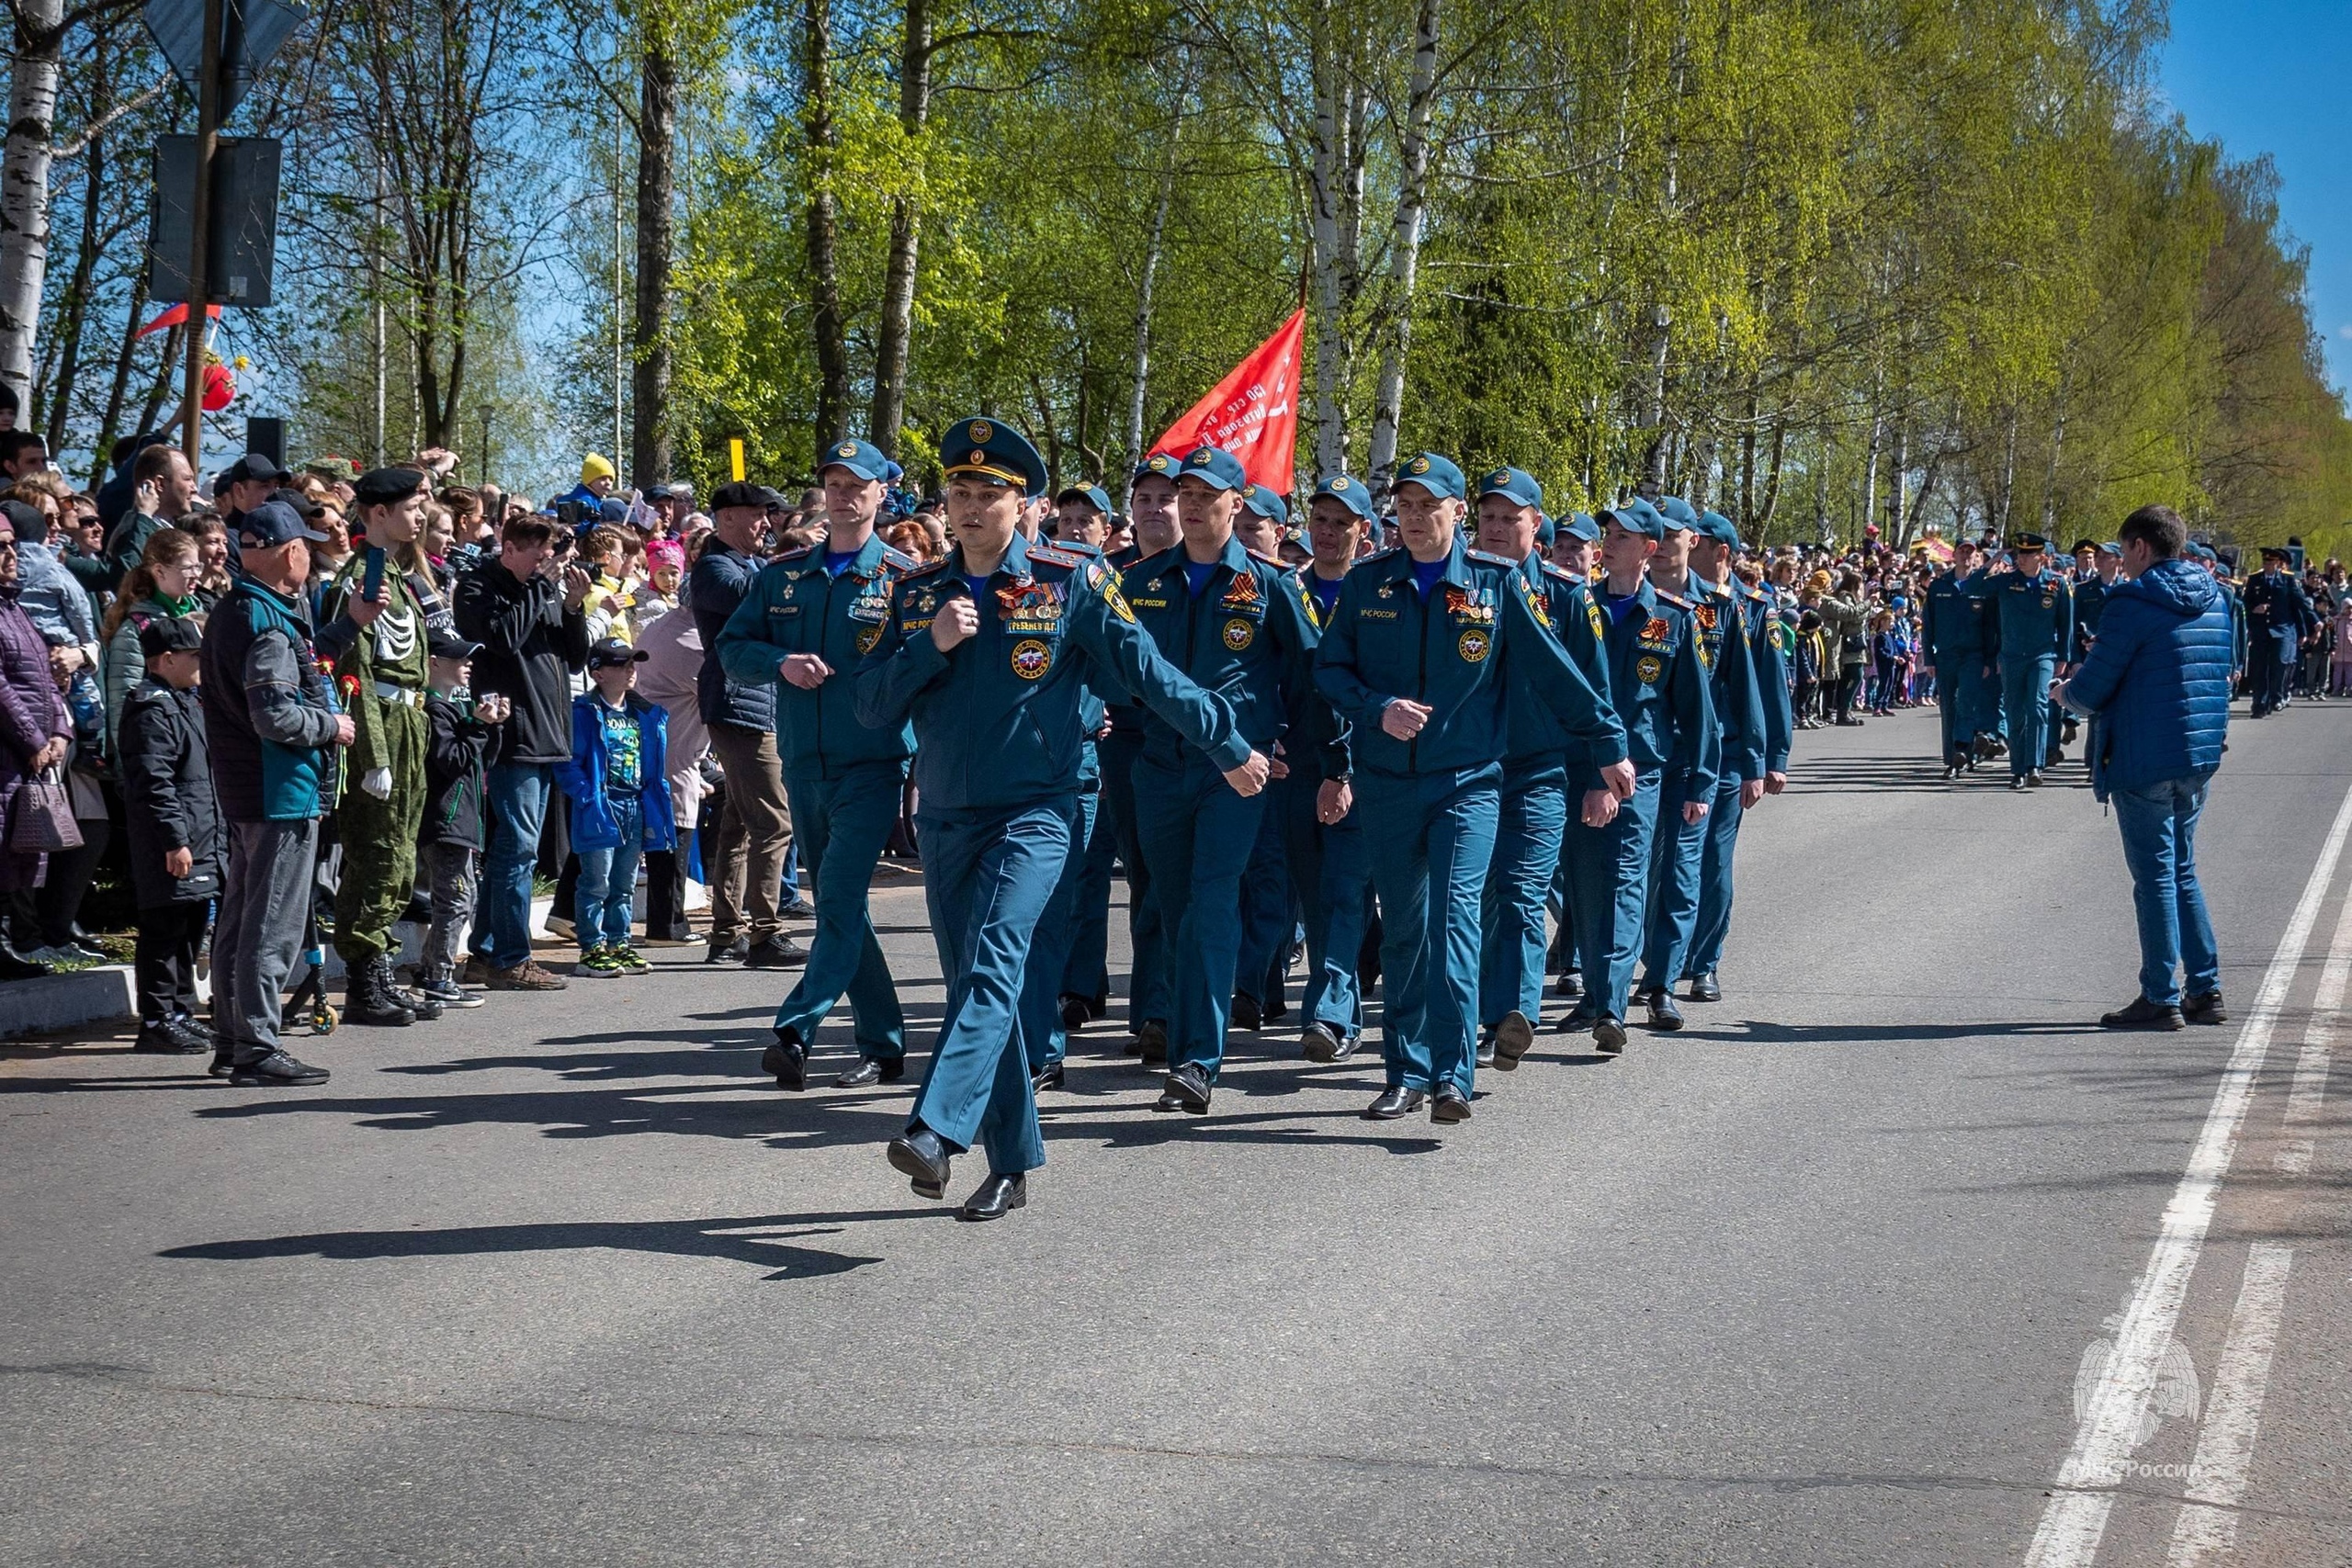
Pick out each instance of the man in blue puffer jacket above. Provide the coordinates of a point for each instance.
(2156, 689)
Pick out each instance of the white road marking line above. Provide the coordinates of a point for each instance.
(2319, 1039)
(2076, 1520)
(2208, 1527)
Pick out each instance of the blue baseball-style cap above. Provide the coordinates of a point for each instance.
(272, 523)
(2110, 548)
(1213, 466)
(1637, 516)
(982, 449)
(1679, 515)
(1436, 474)
(1348, 492)
(862, 458)
(1159, 464)
(1545, 531)
(1580, 525)
(1091, 494)
(1266, 504)
(1516, 485)
(1721, 529)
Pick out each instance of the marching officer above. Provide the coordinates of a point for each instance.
(1576, 546)
(1954, 634)
(2278, 617)
(2033, 631)
(1658, 682)
(1237, 626)
(988, 652)
(1330, 865)
(809, 616)
(1420, 653)
(381, 671)
(1532, 805)
(1679, 847)
(1712, 551)
(1269, 919)
(2096, 568)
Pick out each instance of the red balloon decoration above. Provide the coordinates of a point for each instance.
(220, 388)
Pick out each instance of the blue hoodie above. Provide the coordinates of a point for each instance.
(2157, 683)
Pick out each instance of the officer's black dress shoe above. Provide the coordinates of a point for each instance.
(2142, 1013)
(870, 1071)
(1609, 1035)
(1514, 1037)
(1187, 1089)
(779, 952)
(2015, 783)
(1571, 985)
(1394, 1103)
(733, 950)
(787, 1061)
(1074, 1013)
(1704, 989)
(920, 1155)
(1152, 1039)
(1951, 771)
(2204, 1008)
(1581, 1017)
(1276, 1011)
(1664, 1015)
(1245, 1014)
(1047, 1077)
(2033, 779)
(275, 1070)
(1318, 1042)
(995, 1198)
(1485, 1047)
(1450, 1105)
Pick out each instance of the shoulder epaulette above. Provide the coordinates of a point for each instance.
(1563, 573)
(924, 569)
(1275, 561)
(801, 553)
(1053, 555)
(1674, 599)
(1378, 555)
(1489, 559)
(899, 559)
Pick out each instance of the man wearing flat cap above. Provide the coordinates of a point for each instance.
(2034, 636)
(382, 674)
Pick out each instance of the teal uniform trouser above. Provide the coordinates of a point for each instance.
(841, 826)
(1147, 942)
(1432, 837)
(1608, 878)
(988, 873)
(1087, 972)
(1956, 714)
(1531, 816)
(1043, 1038)
(1268, 919)
(1328, 868)
(2024, 691)
(1198, 839)
(1677, 848)
(1985, 705)
(1713, 923)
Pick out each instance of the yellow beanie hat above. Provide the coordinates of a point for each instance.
(594, 468)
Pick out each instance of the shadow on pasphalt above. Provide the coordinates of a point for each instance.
(764, 1241)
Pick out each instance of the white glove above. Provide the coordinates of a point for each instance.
(377, 783)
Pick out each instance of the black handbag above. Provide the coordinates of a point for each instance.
(42, 823)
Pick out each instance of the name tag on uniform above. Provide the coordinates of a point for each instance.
(871, 608)
(1377, 614)
(784, 609)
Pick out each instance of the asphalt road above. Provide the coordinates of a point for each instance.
(564, 1279)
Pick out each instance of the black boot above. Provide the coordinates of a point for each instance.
(416, 1001)
(367, 1000)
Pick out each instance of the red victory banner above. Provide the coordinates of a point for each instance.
(1252, 413)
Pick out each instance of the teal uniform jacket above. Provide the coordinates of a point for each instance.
(1326, 751)
(1538, 742)
(1460, 653)
(999, 715)
(794, 605)
(2033, 616)
(1659, 682)
(1731, 686)
(2090, 598)
(1769, 658)
(1954, 629)
(1249, 635)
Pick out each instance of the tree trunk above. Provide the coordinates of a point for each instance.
(657, 129)
(1155, 238)
(824, 274)
(1405, 246)
(2057, 454)
(1763, 518)
(160, 390)
(906, 237)
(73, 311)
(24, 186)
(1337, 165)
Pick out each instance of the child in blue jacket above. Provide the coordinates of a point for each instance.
(618, 783)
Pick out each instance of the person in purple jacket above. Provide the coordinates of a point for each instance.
(2156, 690)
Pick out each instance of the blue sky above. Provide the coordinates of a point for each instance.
(2263, 76)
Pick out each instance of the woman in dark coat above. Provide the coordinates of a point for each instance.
(33, 735)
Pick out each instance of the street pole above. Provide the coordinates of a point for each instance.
(485, 443)
(199, 286)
